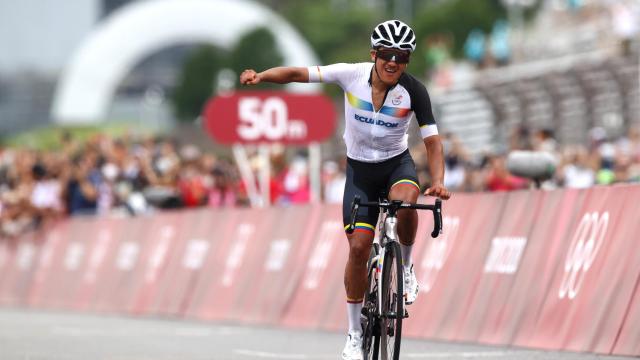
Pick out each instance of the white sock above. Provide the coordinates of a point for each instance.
(406, 255)
(353, 312)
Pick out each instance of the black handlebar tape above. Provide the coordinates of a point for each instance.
(436, 209)
(437, 219)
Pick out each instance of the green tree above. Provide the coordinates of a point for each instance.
(256, 50)
(341, 33)
(457, 18)
(196, 83)
(453, 19)
(336, 34)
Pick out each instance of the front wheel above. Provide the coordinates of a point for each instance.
(392, 303)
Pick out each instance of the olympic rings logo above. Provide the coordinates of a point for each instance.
(437, 253)
(585, 245)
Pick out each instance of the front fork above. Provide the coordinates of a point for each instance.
(378, 275)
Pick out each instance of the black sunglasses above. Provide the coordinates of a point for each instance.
(400, 57)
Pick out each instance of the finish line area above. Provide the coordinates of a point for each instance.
(38, 335)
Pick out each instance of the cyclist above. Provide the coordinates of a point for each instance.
(380, 99)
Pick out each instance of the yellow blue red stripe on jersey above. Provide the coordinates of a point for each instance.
(360, 226)
(406, 182)
(395, 112)
(359, 103)
(367, 106)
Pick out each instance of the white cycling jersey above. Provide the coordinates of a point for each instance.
(370, 135)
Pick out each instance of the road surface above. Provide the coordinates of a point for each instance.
(37, 335)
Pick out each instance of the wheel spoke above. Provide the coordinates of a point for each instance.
(392, 304)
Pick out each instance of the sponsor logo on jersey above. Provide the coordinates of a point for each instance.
(397, 100)
(371, 121)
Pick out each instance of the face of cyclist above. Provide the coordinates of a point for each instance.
(390, 64)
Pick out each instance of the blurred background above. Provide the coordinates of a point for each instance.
(557, 76)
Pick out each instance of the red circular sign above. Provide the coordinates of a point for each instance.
(268, 117)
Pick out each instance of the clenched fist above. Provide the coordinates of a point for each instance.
(249, 77)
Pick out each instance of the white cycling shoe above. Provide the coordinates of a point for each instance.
(353, 347)
(410, 285)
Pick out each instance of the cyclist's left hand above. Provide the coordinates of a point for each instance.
(438, 190)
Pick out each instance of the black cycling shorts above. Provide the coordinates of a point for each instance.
(369, 181)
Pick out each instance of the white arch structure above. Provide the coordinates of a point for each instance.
(90, 80)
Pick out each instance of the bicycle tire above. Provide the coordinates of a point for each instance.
(371, 326)
(392, 303)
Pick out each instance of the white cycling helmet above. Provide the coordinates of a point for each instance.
(393, 34)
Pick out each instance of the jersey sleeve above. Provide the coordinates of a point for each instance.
(340, 74)
(421, 106)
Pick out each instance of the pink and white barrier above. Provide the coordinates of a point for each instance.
(552, 270)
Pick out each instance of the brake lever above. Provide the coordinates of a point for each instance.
(355, 204)
(437, 219)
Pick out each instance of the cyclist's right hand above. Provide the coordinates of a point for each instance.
(439, 191)
(249, 77)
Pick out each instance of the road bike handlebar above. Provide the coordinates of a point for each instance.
(393, 206)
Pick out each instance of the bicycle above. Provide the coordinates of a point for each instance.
(383, 309)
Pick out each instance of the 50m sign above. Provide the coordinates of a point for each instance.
(265, 117)
(268, 118)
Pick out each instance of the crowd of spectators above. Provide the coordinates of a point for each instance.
(126, 176)
(108, 176)
(601, 161)
(129, 176)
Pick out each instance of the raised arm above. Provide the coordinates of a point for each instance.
(279, 75)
